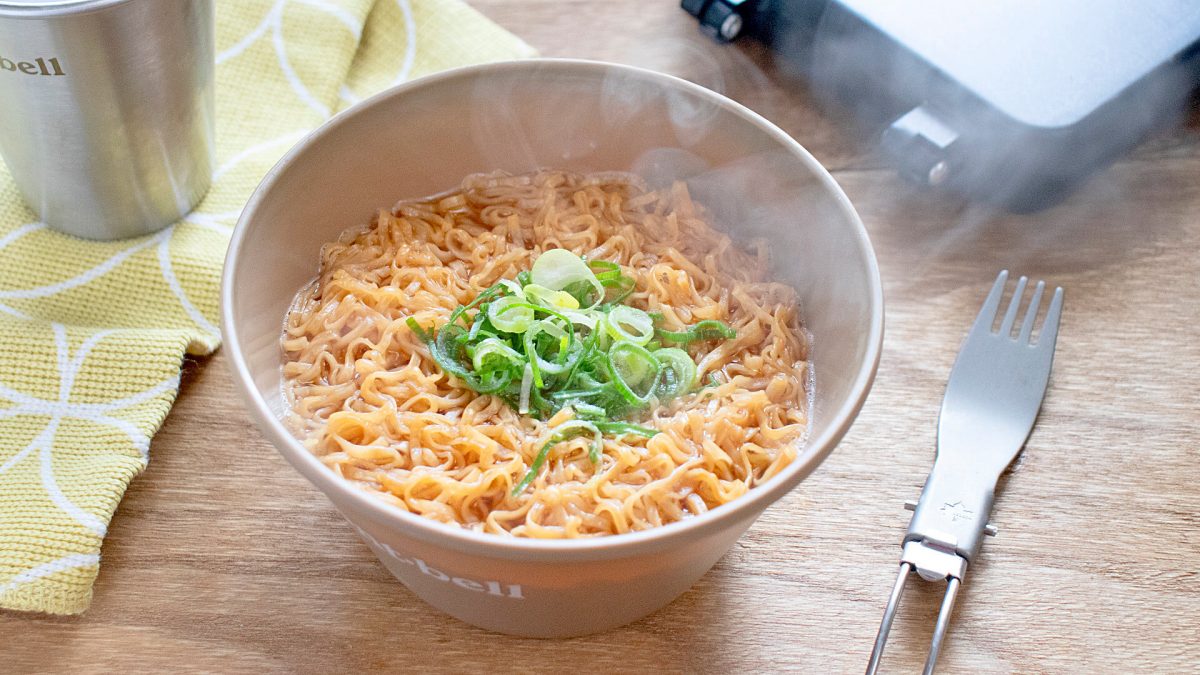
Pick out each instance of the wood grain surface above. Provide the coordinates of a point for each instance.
(221, 558)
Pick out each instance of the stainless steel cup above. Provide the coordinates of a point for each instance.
(106, 110)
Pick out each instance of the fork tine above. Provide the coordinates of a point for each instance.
(1031, 312)
(1013, 305)
(987, 313)
(1049, 332)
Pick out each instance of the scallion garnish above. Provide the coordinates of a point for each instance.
(557, 337)
(708, 329)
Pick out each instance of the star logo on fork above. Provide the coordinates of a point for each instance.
(955, 511)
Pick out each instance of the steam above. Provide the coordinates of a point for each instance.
(1014, 192)
(853, 105)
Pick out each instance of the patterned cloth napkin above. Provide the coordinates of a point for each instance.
(92, 335)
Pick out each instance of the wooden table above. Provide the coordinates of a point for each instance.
(222, 558)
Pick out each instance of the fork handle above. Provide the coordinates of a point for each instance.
(953, 511)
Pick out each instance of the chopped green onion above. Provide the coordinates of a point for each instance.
(560, 360)
(562, 432)
(709, 329)
(586, 352)
(587, 410)
(510, 314)
(618, 428)
(549, 298)
(515, 286)
(484, 295)
(559, 336)
(583, 318)
(633, 369)
(422, 334)
(612, 278)
(477, 325)
(678, 374)
(629, 324)
(497, 350)
(558, 268)
(445, 348)
(607, 265)
(526, 387)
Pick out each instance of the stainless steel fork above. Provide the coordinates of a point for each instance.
(992, 399)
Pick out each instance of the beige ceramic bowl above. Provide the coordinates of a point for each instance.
(424, 137)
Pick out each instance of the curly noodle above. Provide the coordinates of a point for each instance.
(368, 400)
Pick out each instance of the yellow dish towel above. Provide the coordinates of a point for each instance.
(92, 335)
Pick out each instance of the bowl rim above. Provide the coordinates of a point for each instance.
(369, 507)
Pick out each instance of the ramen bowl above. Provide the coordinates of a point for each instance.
(423, 138)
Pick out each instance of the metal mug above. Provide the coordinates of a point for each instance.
(106, 110)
